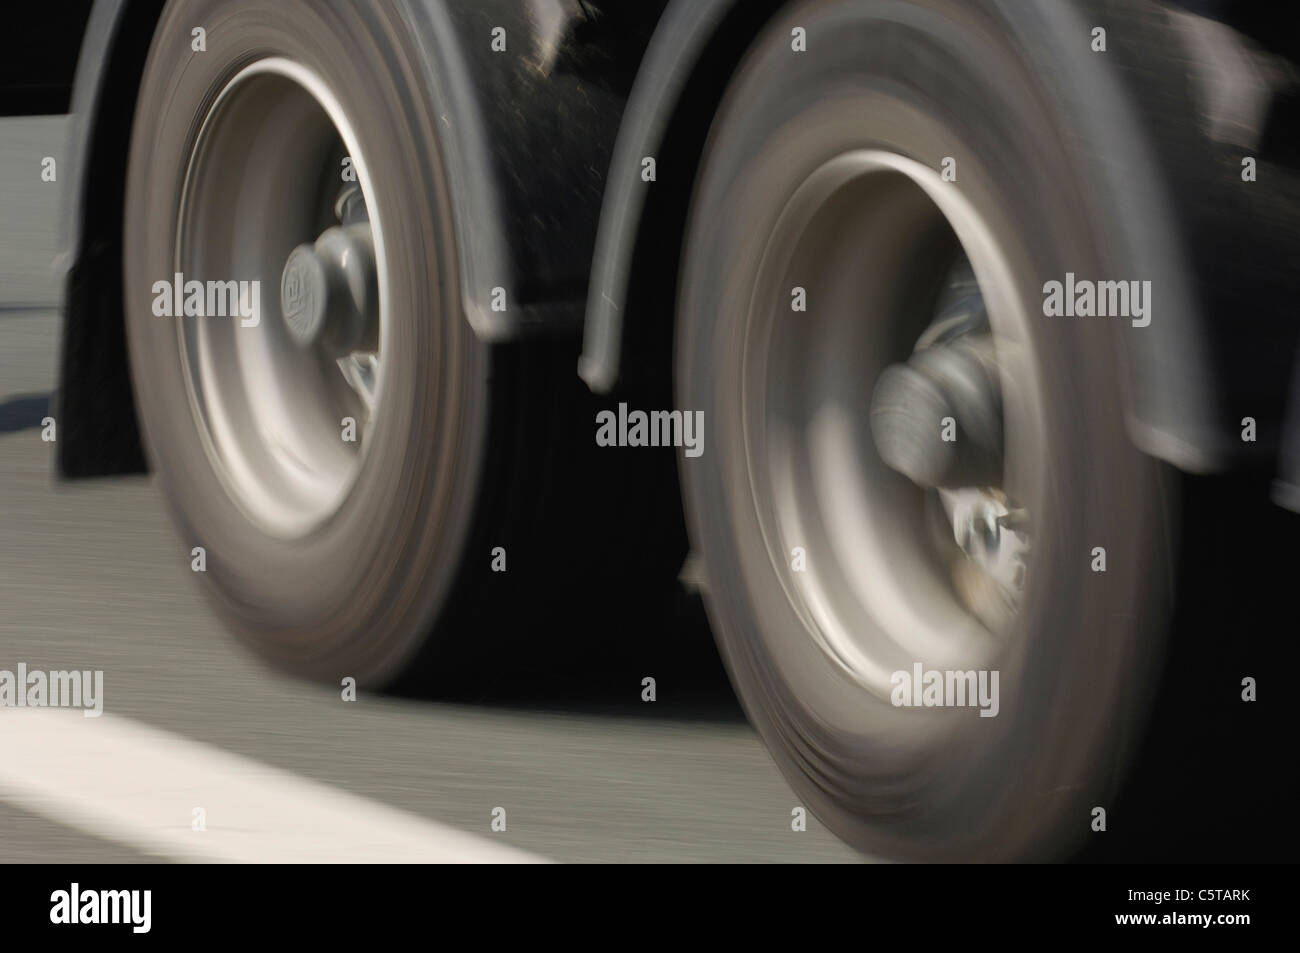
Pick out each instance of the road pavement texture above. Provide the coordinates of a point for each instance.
(92, 577)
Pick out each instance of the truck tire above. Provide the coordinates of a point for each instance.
(357, 467)
(915, 169)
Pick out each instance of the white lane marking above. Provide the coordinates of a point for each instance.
(128, 782)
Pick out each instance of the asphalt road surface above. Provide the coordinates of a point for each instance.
(93, 578)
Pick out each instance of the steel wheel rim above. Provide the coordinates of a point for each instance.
(874, 595)
(270, 413)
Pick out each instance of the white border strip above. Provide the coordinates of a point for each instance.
(128, 782)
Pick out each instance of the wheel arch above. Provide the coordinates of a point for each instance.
(692, 55)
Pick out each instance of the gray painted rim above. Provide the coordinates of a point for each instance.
(876, 595)
(262, 178)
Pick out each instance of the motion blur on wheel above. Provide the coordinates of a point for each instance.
(939, 566)
(356, 468)
(327, 458)
(987, 307)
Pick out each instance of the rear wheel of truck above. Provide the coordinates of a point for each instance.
(936, 566)
(378, 493)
